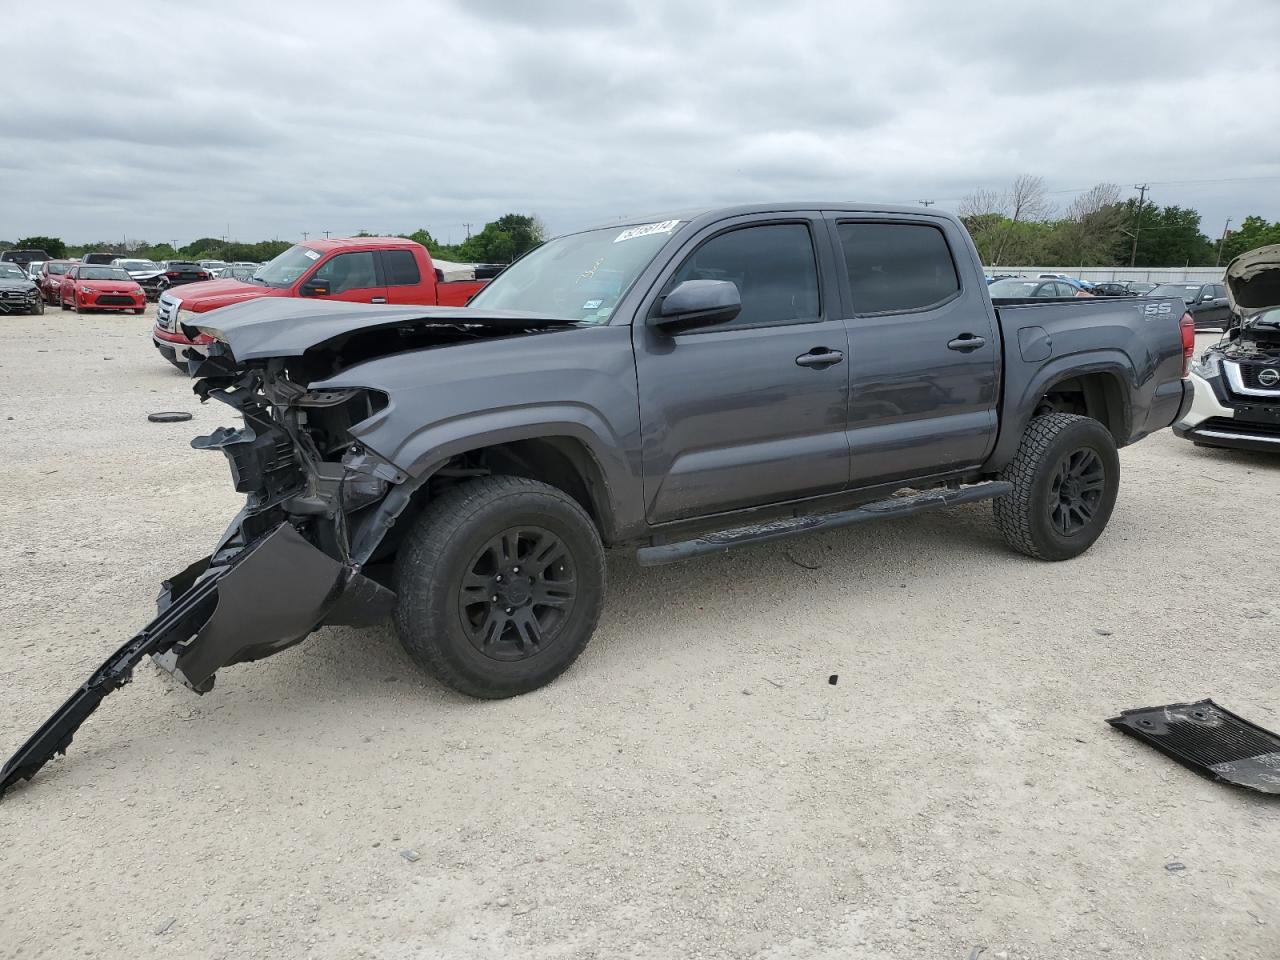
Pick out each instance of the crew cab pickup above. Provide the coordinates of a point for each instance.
(677, 387)
(359, 270)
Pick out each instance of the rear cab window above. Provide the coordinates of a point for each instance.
(897, 267)
(400, 268)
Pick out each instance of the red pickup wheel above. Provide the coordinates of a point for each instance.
(1065, 476)
(500, 586)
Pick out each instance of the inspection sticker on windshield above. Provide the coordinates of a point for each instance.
(666, 226)
(592, 305)
(311, 254)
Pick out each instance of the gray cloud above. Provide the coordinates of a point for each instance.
(173, 122)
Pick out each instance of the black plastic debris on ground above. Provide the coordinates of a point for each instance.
(1211, 740)
(169, 416)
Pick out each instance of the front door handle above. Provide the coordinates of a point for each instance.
(820, 358)
(378, 300)
(966, 343)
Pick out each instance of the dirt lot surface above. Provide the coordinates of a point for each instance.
(693, 787)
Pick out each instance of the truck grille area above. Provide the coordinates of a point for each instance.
(166, 310)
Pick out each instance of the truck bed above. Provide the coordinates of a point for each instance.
(1136, 340)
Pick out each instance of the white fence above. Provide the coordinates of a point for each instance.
(1154, 274)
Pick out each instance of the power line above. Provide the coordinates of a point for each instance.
(1137, 228)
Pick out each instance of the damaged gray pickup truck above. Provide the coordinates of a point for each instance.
(680, 387)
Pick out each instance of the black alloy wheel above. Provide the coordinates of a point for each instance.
(517, 593)
(1076, 491)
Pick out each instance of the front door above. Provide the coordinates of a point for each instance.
(752, 411)
(353, 277)
(922, 349)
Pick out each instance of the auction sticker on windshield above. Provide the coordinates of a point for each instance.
(666, 226)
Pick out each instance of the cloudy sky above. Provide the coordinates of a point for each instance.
(175, 120)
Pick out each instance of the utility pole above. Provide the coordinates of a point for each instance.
(1137, 228)
(305, 235)
(468, 229)
(326, 234)
(1218, 262)
(926, 203)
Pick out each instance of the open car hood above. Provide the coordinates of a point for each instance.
(1253, 281)
(288, 327)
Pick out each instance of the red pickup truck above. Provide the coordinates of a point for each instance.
(357, 270)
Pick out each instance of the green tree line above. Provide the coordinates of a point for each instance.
(500, 241)
(1097, 229)
(1016, 226)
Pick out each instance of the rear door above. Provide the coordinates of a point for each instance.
(752, 411)
(1219, 311)
(402, 277)
(923, 348)
(353, 277)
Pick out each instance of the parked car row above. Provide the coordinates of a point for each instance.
(18, 293)
(1206, 302)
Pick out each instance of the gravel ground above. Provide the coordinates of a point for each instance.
(693, 787)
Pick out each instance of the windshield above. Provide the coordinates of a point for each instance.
(102, 273)
(137, 266)
(58, 268)
(215, 264)
(579, 277)
(9, 271)
(1013, 288)
(1185, 291)
(285, 269)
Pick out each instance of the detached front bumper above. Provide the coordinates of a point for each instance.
(243, 603)
(276, 592)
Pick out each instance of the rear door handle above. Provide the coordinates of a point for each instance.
(819, 358)
(966, 343)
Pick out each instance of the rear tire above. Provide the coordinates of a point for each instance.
(1065, 476)
(500, 584)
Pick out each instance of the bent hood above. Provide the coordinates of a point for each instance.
(288, 327)
(1253, 280)
(206, 295)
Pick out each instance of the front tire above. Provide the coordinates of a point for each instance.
(500, 583)
(37, 308)
(1065, 476)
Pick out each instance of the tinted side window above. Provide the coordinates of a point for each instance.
(1219, 291)
(773, 266)
(897, 266)
(400, 268)
(348, 271)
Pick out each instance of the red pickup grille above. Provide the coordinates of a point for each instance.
(114, 300)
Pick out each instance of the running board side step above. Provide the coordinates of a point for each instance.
(723, 540)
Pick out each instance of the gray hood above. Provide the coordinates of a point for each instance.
(289, 326)
(1253, 281)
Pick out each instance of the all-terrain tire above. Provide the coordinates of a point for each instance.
(1026, 516)
(443, 548)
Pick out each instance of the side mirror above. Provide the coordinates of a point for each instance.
(698, 303)
(315, 287)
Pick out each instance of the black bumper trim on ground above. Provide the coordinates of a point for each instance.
(267, 596)
(1210, 740)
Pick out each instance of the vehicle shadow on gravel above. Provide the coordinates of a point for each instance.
(642, 603)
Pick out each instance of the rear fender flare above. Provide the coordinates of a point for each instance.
(1020, 407)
